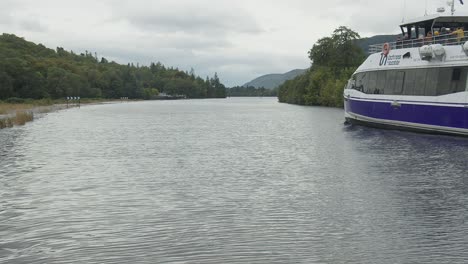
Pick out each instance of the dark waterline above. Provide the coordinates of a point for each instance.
(228, 181)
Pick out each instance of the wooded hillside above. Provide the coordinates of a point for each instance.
(29, 70)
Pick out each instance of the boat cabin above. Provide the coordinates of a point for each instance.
(433, 29)
(436, 24)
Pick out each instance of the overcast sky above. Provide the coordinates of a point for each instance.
(239, 39)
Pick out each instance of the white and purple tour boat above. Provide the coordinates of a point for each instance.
(419, 82)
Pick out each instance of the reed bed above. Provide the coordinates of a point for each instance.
(17, 111)
(18, 119)
(6, 108)
(6, 122)
(22, 118)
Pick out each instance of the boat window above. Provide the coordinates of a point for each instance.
(459, 79)
(452, 80)
(351, 83)
(431, 82)
(461, 87)
(394, 82)
(466, 81)
(399, 82)
(361, 81)
(390, 83)
(420, 82)
(421, 32)
(444, 85)
(372, 83)
(410, 78)
(456, 73)
(412, 33)
(381, 79)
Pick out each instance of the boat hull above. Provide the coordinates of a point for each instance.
(419, 116)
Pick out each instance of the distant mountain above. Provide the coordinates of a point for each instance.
(379, 39)
(271, 81)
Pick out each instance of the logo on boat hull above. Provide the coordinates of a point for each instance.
(387, 59)
(384, 54)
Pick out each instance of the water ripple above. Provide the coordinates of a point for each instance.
(227, 181)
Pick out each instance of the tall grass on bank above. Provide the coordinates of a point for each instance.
(6, 122)
(18, 111)
(6, 108)
(20, 118)
(12, 105)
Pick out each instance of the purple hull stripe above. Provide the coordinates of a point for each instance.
(446, 116)
(406, 101)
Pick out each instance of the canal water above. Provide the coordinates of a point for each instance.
(228, 181)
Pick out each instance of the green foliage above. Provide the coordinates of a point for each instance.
(6, 85)
(334, 59)
(250, 91)
(33, 71)
(215, 88)
(150, 93)
(14, 100)
(338, 51)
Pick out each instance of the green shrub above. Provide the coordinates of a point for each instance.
(15, 100)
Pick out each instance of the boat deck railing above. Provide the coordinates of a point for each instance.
(445, 40)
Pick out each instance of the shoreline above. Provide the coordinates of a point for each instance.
(18, 114)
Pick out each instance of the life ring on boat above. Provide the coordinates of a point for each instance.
(386, 49)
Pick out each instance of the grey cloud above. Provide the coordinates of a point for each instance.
(376, 17)
(368, 17)
(193, 17)
(238, 39)
(181, 33)
(195, 23)
(233, 69)
(6, 8)
(32, 25)
(189, 42)
(5, 19)
(12, 15)
(365, 27)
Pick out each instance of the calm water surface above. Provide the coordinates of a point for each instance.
(228, 181)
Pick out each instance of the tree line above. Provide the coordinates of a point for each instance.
(29, 70)
(249, 91)
(334, 59)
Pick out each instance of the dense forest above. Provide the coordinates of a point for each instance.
(249, 91)
(29, 70)
(334, 60)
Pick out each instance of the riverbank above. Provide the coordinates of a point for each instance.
(17, 114)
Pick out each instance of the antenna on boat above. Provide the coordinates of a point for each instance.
(451, 3)
(404, 11)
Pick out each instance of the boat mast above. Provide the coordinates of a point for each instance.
(453, 7)
(425, 13)
(404, 12)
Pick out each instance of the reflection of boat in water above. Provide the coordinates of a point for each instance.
(415, 83)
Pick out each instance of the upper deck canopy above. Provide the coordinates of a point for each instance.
(436, 19)
(415, 32)
(432, 23)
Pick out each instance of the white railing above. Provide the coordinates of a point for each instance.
(446, 40)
